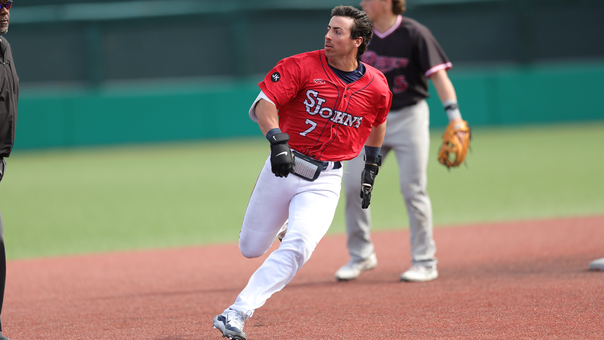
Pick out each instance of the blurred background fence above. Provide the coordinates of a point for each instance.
(98, 72)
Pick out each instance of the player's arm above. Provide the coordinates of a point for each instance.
(376, 136)
(267, 115)
(451, 152)
(446, 94)
(373, 161)
(268, 120)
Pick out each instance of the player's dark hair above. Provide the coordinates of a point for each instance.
(361, 27)
(399, 6)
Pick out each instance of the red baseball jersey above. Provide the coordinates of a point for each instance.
(326, 118)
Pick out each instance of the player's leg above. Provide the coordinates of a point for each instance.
(2, 270)
(311, 212)
(2, 253)
(266, 212)
(358, 221)
(412, 152)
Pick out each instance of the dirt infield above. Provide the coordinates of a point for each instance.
(497, 281)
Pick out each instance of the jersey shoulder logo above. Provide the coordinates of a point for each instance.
(275, 77)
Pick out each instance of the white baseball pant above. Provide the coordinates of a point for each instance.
(310, 208)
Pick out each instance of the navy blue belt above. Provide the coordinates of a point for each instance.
(336, 165)
(324, 164)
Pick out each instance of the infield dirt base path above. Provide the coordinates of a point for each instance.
(497, 281)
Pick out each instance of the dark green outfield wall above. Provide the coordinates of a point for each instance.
(540, 94)
(95, 43)
(135, 114)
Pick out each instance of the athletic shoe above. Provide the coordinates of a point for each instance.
(419, 273)
(230, 323)
(282, 231)
(355, 267)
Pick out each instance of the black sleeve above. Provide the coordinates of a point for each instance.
(428, 50)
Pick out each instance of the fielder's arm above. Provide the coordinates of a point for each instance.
(443, 85)
(446, 94)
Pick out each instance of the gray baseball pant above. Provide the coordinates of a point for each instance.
(2, 268)
(408, 135)
(2, 249)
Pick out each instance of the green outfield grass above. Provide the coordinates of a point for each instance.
(62, 202)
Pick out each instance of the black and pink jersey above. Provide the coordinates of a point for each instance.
(407, 54)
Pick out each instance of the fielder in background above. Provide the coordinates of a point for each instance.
(316, 109)
(9, 92)
(408, 55)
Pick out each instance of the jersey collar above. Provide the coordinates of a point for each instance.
(399, 20)
(333, 77)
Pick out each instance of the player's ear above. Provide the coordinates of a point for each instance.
(358, 41)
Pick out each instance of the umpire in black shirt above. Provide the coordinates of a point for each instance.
(9, 96)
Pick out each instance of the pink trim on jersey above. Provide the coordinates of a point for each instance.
(437, 68)
(399, 19)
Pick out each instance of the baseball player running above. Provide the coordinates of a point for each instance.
(316, 109)
(408, 55)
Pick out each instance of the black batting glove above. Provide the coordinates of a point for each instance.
(372, 167)
(282, 161)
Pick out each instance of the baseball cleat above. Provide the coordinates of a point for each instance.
(597, 265)
(419, 273)
(283, 231)
(355, 267)
(230, 323)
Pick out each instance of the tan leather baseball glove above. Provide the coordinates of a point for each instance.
(456, 142)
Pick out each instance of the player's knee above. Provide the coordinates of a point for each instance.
(251, 255)
(412, 190)
(249, 251)
(252, 244)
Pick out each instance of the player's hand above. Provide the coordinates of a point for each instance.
(372, 167)
(282, 161)
(461, 135)
(455, 143)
